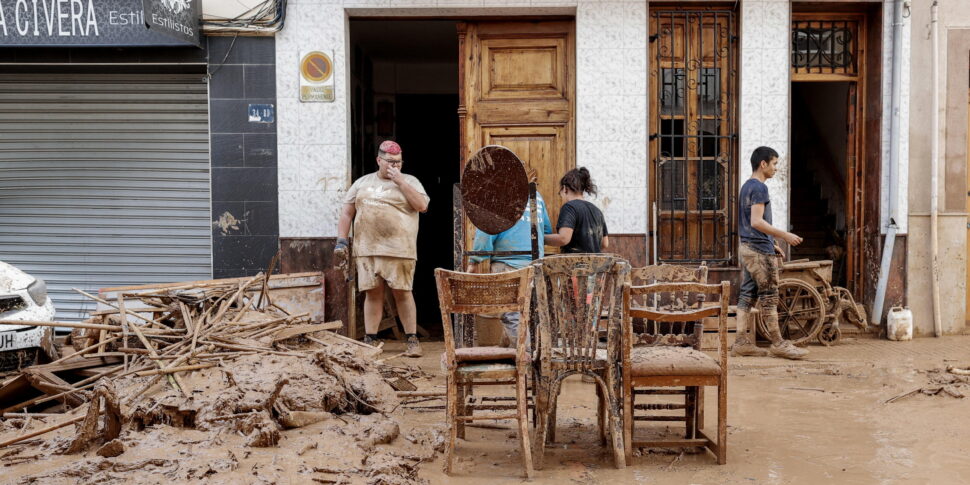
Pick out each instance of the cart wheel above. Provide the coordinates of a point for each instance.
(829, 335)
(801, 311)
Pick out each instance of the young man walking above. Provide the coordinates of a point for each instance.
(384, 207)
(760, 262)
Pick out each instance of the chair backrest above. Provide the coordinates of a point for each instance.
(475, 293)
(661, 315)
(651, 332)
(574, 292)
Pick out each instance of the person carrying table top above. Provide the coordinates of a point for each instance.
(516, 238)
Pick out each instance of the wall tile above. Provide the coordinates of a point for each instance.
(226, 150)
(260, 150)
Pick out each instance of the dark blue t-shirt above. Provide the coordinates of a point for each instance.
(754, 192)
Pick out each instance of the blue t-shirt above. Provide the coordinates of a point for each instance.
(753, 192)
(515, 238)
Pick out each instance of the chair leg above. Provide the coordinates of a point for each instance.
(700, 408)
(628, 402)
(555, 389)
(542, 423)
(462, 389)
(722, 421)
(616, 427)
(452, 423)
(521, 397)
(690, 411)
(601, 414)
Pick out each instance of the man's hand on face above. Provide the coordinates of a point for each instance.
(395, 175)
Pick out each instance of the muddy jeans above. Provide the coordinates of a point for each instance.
(510, 320)
(759, 280)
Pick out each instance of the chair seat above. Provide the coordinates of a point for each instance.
(484, 354)
(484, 368)
(672, 361)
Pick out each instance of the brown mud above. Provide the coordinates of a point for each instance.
(824, 420)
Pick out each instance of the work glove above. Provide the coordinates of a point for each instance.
(340, 249)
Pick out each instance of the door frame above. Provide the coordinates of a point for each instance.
(856, 176)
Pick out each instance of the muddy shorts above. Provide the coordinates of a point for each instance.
(759, 280)
(397, 272)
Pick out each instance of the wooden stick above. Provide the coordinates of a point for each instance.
(173, 379)
(403, 394)
(41, 431)
(90, 326)
(32, 415)
(78, 386)
(103, 301)
(173, 370)
(958, 371)
(256, 349)
(79, 353)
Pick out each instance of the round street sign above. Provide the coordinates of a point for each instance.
(316, 67)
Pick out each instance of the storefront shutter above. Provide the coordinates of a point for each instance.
(104, 181)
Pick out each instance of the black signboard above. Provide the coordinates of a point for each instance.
(178, 19)
(74, 23)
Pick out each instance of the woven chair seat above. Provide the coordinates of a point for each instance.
(672, 361)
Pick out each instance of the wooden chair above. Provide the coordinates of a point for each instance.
(646, 332)
(469, 294)
(573, 291)
(670, 358)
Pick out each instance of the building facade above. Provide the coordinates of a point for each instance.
(662, 102)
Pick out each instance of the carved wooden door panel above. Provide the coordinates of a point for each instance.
(518, 90)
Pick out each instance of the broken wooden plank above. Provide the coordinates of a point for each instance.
(173, 370)
(41, 431)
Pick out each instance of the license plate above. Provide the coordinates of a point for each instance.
(7, 340)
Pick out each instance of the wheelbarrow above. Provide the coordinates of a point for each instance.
(809, 307)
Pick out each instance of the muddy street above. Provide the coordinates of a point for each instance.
(824, 420)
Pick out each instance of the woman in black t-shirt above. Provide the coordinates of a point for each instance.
(581, 227)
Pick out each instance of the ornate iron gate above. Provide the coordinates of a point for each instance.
(693, 126)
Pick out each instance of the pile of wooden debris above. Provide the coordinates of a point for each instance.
(215, 357)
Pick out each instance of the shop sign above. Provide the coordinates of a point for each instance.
(74, 23)
(178, 19)
(316, 77)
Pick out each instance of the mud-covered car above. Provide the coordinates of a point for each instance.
(23, 298)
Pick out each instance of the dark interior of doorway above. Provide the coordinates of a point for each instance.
(404, 82)
(818, 172)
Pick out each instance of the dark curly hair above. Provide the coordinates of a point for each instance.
(578, 180)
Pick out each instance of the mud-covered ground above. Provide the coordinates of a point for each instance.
(823, 420)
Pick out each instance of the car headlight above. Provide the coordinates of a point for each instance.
(38, 291)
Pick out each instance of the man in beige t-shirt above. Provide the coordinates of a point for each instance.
(386, 204)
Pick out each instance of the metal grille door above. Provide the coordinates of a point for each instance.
(693, 142)
(104, 181)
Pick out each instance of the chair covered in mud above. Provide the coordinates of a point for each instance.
(574, 292)
(470, 294)
(664, 352)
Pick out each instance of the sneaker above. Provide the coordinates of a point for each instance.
(414, 348)
(371, 341)
(787, 350)
(745, 348)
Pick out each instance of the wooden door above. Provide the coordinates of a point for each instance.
(693, 128)
(518, 90)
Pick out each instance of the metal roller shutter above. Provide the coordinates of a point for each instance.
(104, 181)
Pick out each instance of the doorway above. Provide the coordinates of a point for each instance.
(819, 147)
(404, 82)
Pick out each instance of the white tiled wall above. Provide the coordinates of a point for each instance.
(611, 109)
(765, 88)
